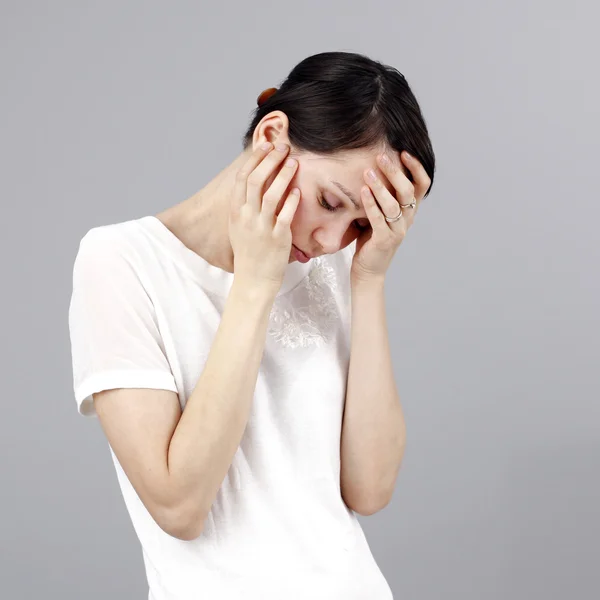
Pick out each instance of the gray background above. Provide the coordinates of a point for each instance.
(115, 110)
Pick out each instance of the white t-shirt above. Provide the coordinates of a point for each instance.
(143, 314)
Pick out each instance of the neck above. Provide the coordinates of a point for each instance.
(201, 221)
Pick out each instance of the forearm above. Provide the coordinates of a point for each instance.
(216, 413)
(373, 432)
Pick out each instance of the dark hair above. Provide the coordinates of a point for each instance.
(339, 101)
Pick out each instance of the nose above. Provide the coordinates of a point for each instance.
(331, 237)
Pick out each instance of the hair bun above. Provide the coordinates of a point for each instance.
(265, 95)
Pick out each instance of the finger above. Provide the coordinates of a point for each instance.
(394, 172)
(411, 164)
(398, 174)
(241, 179)
(421, 180)
(276, 193)
(373, 211)
(286, 215)
(409, 212)
(258, 178)
(386, 198)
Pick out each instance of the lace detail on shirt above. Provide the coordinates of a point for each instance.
(307, 315)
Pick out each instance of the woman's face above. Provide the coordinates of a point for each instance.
(326, 182)
(332, 182)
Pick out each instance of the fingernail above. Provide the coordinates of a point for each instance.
(266, 146)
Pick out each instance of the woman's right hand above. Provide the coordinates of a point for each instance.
(260, 238)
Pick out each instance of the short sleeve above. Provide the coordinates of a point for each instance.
(115, 338)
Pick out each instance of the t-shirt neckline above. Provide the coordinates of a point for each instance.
(207, 275)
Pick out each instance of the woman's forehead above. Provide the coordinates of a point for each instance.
(356, 160)
(348, 174)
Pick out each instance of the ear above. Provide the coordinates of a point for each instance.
(272, 128)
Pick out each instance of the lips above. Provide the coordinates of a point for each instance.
(305, 254)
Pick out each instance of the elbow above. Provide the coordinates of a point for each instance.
(367, 499)
(366, 509)
(182, 525)
(368, 506)
(185, 533)
(183, 515)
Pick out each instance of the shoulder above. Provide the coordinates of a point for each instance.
(109, 257)
(116, 237)
(106, 246)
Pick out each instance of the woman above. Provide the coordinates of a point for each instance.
(234, 347)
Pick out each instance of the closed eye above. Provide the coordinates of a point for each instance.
(330, 208)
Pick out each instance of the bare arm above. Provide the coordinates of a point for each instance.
(215, 416)
(177, 461)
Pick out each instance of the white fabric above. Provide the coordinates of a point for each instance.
(143, 314)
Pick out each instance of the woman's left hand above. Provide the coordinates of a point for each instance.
(376, 246)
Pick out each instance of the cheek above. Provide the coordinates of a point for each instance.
(302, 216)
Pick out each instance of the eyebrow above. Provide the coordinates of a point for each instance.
(347, 192)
